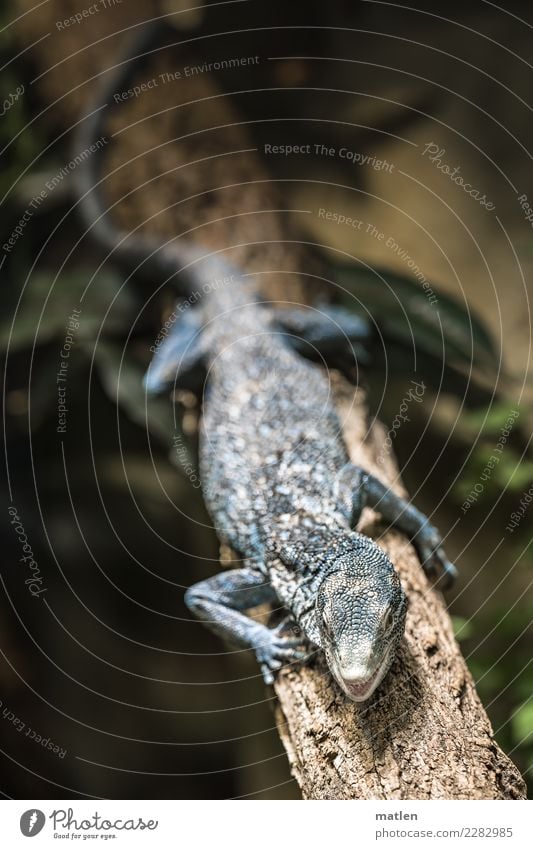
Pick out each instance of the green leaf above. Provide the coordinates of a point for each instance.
(401, 308)
(122, 379)
(462, 628)
(488, 423)
(522, 724)
(94, 296)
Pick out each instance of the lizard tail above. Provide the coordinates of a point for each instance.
(151, 258)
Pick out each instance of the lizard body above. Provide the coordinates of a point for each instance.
(279, 486)
(275, 473)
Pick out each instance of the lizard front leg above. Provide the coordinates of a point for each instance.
(179, 357)
(218, 601)
(356, 488)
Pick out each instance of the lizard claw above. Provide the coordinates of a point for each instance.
(268, 675)
(435, 562)
(448, 574)
(279, 647)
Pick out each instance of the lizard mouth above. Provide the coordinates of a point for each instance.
(361, 689)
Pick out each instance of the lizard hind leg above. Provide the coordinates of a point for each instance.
(329, 328)
(179, 354)
(219, 600)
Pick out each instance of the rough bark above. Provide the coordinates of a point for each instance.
(424, 734)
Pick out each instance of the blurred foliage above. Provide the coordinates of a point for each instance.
(522, 729)
(107, 312)
(511, 468)
(401, 307)
(47, 301)
(522, 722)
(18, 144)
(503, 677)
(122, 379)
(442, 339)
(512, 472)
(462, 628)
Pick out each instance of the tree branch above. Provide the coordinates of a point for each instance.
(424, 734)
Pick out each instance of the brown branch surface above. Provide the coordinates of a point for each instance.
(424, 734)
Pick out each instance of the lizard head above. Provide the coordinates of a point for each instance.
(360, 615)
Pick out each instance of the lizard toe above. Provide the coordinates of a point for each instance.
(267, 673)
(449, 574)
(286, 646)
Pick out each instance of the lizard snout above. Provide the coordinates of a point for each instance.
(357, 661)
(361, 675)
